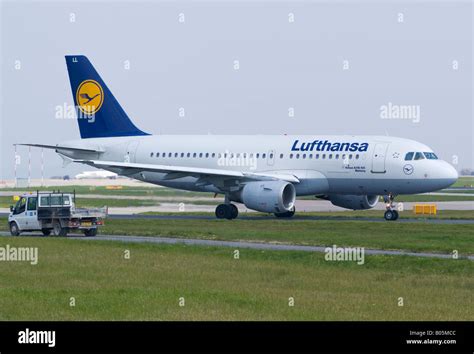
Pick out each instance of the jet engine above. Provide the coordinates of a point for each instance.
(269, 196)
(354, 202)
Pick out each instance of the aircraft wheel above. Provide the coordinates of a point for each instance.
(287, 214)
(234, 212)
(46, 232)
(222, 211)
(390, 215)
(396, 214)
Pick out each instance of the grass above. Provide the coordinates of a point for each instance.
(413, 236)
(170, 192)
(464, 181)
(354, 214)
(433, 198)
(416, 237)
(215, 286)
(458, 191)
(125, 190)
(420, 198)
(5, 202)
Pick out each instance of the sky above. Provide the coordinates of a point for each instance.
(399, 68)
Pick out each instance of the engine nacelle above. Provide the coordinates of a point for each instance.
(269, 196)
(354, 202)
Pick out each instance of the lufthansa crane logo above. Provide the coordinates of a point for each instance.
(408, 169)
(89, 96)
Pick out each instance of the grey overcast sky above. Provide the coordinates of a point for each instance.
(334, 64)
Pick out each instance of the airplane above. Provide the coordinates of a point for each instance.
(264, 172)
(96, 174)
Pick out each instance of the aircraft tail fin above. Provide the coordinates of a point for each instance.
(99, 113)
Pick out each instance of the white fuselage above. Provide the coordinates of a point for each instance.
(351, 167)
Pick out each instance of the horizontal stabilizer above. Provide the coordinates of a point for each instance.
(58, 147)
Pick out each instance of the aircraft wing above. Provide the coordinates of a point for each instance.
(128, 168)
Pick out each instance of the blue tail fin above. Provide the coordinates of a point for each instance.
(99, 113)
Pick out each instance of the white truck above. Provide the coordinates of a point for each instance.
(53, 212)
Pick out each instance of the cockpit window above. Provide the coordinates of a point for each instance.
(409, 156)
(430, 155)
(419, 156)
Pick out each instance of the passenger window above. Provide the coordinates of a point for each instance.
(281, 156)
(291, 156)
(409, 156)
(213, 154)
(151, 154)
(316, 156)
(419, 156)
(32, 201)
(157, 154)
(264, 155)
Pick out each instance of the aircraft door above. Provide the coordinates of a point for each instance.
(378, 158)
(130, 154)
(271, 158)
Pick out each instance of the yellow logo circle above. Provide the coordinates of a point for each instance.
(89, 96)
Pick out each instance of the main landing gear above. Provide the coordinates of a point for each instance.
(287, 214)
(391, 214)
(227, 210)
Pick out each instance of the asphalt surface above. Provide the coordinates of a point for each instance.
(293, 219)
(239, 244)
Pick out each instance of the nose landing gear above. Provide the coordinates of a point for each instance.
(391, 214)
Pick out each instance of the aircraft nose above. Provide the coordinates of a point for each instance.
(450, 174)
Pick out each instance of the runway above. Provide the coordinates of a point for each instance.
(296, 218)
(239, 245)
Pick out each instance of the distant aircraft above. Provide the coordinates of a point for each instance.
(96, 174)
(264, 172)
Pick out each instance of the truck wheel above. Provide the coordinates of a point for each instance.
(90, 232)
(58, 230)
(46, 232)
(14, 230)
